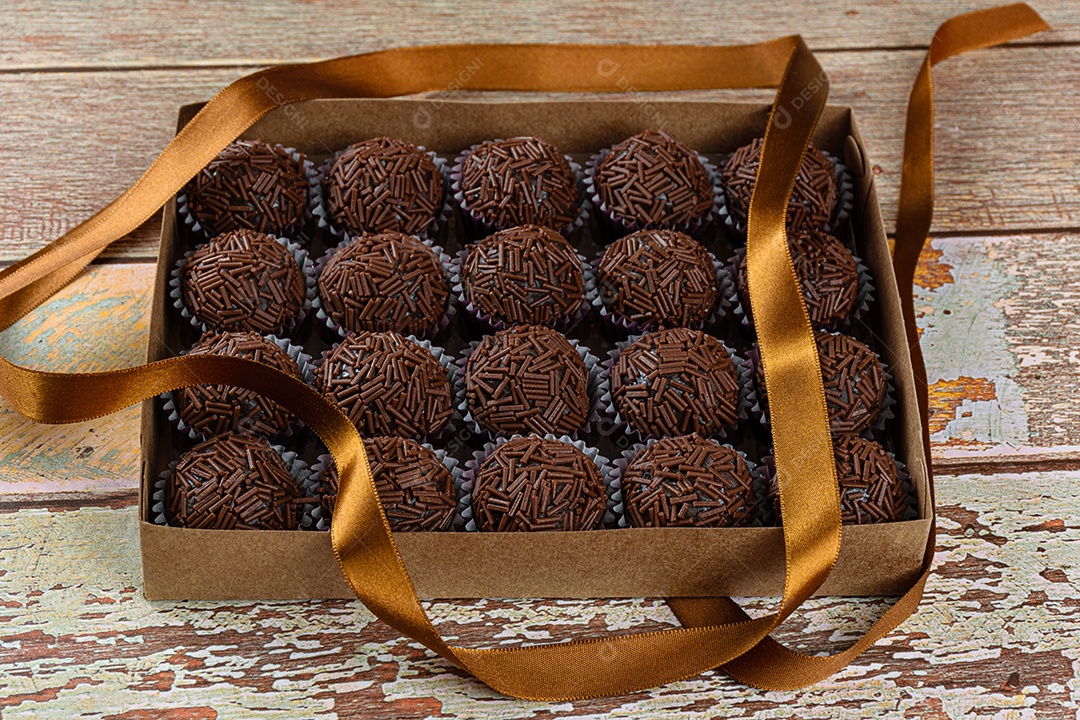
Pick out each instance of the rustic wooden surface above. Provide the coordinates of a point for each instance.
(89, 95)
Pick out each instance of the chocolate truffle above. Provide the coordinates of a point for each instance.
(244, 280)
(251, 185)
(828, 276)
(812, 200)
(388, 385)
(526, 379)
(384, 184)
(519, 181)
(415, 487)
(527, 274)
(856, 383)
(658, 279)
(871, 489)
(215, 409)
(652, 180)
(533, 484)
(688, 481)
(233, 481)
(388, 281)
(676, 382)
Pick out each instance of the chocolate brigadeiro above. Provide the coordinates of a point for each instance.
(518, 181)
(527, 379)
(251, 185)
(871, 487)
(388, 385)
(527, 274)
(415, 487)
(812, 200)
(676, 382)
(531, 484)
(688, 481)
(233, 481)
(388, 281)
(652, 180)
(215, 409)
(657, 279)
(244, 280)
(828, 276)
(384, 184)
(856, 384)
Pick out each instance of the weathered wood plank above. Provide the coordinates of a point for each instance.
(998, 315)
(995, 634)
(73, 141)
(160, 32)
(1000, 333)
(99, 322)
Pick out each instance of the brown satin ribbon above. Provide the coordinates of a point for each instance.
(717, 632)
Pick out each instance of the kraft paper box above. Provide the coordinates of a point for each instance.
(214, 564)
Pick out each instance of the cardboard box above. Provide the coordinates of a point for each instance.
(874, 559)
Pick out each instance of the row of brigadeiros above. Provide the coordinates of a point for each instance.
(386, 291)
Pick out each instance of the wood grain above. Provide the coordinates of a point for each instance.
(75, 140)
(69, 33)
(999, 330)
(99, 322)
(995, 635)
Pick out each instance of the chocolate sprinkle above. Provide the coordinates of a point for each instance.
(520, 181)
(812, 199)
(855, 382)
(527, 274)
(251, 185)
(244, 280)
(527, 379)
(658, 279)
(215, 409)
(676, 382)
(415, 487)
(688, 481)
(384, 184)
(654, 180)
(828, 276)
(388, 385)
(233, 481)
(388, 281)
(533, 484)
(871, 489)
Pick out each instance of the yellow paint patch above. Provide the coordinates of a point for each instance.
(947, 395)
(932, 272)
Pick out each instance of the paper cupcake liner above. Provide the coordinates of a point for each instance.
(321, 211)
(767, 469)
(612, 516)
(297, 468)
(445, 261)
(746, 401)
(845, 201)
(448, 364)
(488, 322)
(299, 233)
(725, 289)
(592, 365)
(612, 228)
(318, 486)
(476, 228)
(176, 281)
(619, 465)
(864, 297)
(307, 374)
(760, 409)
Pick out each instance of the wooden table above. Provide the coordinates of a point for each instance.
(90, 97)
